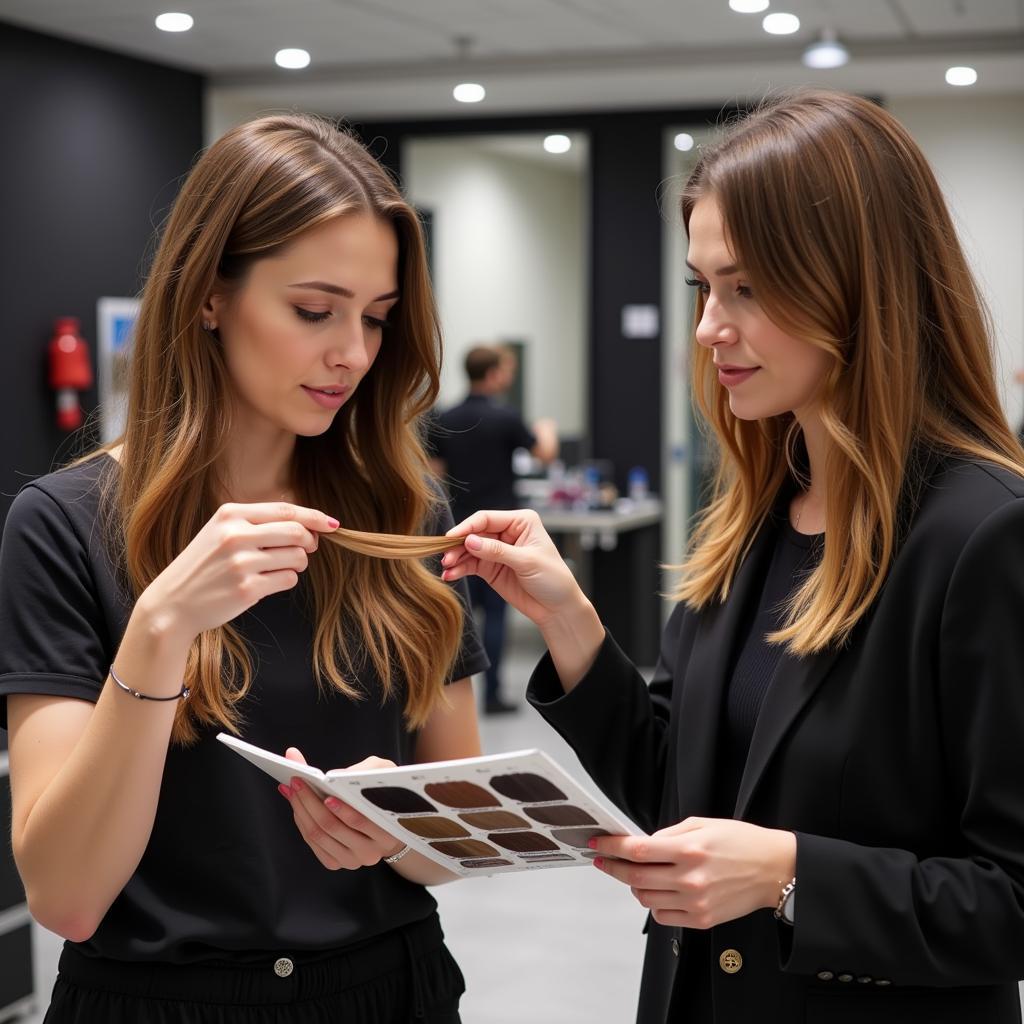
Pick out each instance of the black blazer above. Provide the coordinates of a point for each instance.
(898, 761)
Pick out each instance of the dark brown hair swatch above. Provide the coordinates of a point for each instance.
(522, 842)
(577, 836)
(490, 862)
(397, 799)
(564, 814)
(460, 794)
(465, 848)
(495, 819)
(434, 828)
(526, 787)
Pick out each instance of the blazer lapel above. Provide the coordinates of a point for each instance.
(793, 684)
(705, 678)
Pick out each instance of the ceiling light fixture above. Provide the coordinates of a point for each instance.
(961, 76)
(558, 144)
(683, 142)
(827, 52)
(780, 24)
(174, 21)
(469, 92)
(748, 6)
(292, 58)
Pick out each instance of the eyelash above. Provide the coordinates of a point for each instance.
(741, 289)
(317, 318)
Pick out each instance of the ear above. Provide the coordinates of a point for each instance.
(212, 309)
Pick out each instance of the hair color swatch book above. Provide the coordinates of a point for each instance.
(477, 816)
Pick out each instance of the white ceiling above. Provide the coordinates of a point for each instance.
(397, 58)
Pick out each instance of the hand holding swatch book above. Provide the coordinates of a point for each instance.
(476, 816)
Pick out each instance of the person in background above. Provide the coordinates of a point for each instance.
(472, 445)
(174, 585)
(829, 756)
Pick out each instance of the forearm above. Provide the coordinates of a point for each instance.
(573, 641)
(85, 833)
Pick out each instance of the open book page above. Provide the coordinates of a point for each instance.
(518, 811)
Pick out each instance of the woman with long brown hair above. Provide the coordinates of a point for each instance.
(175, 584)
(837, 711)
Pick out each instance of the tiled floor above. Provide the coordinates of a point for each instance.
(558, 945)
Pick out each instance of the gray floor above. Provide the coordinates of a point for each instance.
(562, 944)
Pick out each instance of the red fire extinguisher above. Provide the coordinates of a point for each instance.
(70, 370)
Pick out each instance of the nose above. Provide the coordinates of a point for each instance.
(714, 327)
(351, 346)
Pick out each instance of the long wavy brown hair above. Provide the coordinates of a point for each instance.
(840, 226)
(254, 191)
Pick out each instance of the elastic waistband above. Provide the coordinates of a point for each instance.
(284, 977)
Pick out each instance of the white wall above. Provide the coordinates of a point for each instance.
(509, 264)
(976, 147)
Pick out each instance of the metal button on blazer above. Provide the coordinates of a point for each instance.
(865, 979)
(825, 975)
(846, 977)
(882, 981)
(675, 947)
(730, 961)
(283, 967)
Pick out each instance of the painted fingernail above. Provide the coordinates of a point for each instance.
(599, 862)
(284, 791)
(592, 843)
(333, 523)
(333, 803)
(298, 785)
(474, 543)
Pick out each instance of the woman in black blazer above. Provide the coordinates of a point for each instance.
(838, 709)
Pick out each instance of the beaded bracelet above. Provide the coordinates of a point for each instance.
(182, 694)
(395, 857)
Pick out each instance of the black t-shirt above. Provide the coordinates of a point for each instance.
(226, 875)
(476, 440)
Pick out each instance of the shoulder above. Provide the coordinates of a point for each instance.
(65, 503)
(960, 495)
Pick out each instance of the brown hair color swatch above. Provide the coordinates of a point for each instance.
(390, 545)
(565, 814)
(397, 799)
(526, 787)
(466, 848)
(522, 842)
(460, 794)
(434, 828)
(495, 819)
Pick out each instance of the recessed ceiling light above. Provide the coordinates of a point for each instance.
(469, 92)
(558, 143)
(961, 76)
(748, 6)
(292, 58)
(683, 142)
(827, 52)
(174, 21)
(779, 24)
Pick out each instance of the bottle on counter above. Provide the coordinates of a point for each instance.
(637, 484)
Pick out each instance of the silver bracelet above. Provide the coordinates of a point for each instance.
(395, 857)
(182, 694)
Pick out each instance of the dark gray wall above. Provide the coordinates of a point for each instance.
(94, 147)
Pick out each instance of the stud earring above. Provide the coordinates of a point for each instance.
(208, 326)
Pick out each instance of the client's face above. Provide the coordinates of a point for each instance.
(307, 323)
(766, 371)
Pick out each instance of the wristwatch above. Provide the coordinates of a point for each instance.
(785, 911)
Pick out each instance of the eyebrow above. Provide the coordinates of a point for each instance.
(336, 289)
(730, 268)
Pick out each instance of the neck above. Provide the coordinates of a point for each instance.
(257, 466)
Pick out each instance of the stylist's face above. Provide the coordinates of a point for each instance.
(766, 371)
(306, 324)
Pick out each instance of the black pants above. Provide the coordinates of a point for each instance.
(404, 977)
